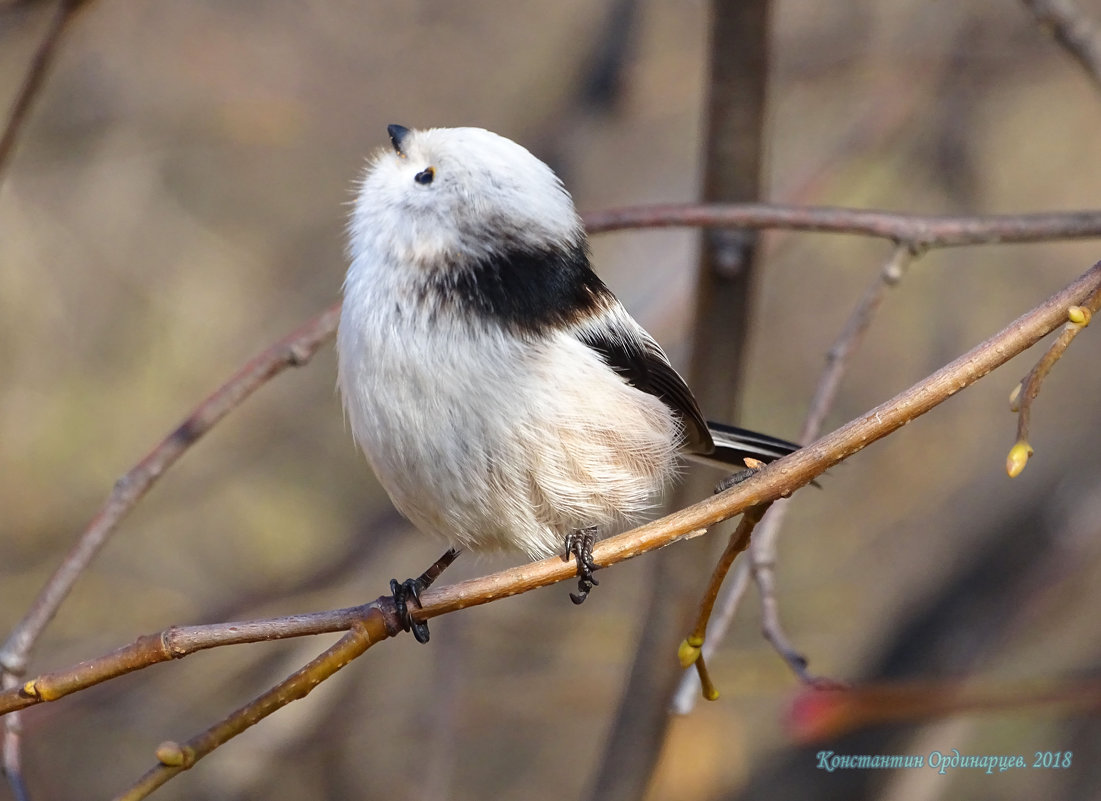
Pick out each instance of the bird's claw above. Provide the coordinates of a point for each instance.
(403, 592)
(579, 544)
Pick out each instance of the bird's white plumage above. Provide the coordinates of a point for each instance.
(484, 437)
(487, 189)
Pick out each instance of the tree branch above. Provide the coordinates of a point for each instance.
(35, 77)
(298, 347)
(777, 480)
(1077, 33)
(1029, 388)
(921, 231)
(175, 758)
(762, 549)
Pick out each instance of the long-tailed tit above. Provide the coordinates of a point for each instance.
(501, 392)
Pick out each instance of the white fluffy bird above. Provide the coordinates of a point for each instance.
(501, 392)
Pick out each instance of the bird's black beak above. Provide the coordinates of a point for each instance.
(398, 134)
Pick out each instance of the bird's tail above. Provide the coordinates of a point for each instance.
(734, 445)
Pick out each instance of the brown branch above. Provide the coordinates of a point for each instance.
(180, 641)
(1074, 31)
(35, 77)
(921, 231)
(175, 757)
(772, 482)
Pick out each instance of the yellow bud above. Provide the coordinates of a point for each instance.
(30, 689)
(1018, 457)
(711, 693)
(1079, 315)
(688, 653)
(170, 753)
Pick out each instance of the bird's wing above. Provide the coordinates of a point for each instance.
(629, 350)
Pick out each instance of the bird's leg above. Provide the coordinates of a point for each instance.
(580, 544)
(412, 589)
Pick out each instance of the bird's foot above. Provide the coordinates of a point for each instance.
(403, 592)
(411, 589)
(579, 544)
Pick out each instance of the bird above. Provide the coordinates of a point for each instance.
(504, 397)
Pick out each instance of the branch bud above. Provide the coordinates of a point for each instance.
(1018, 457)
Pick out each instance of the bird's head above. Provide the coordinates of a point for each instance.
(452, 195)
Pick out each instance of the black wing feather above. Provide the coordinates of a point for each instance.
(642, 363)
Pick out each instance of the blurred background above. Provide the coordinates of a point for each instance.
(177, 203)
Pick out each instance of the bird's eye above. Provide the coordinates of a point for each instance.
(425, 176)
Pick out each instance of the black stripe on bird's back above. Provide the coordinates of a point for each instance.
(527, 289)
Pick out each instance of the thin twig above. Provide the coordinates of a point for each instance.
(688, 689)
(33, 81)
(178, 642)
(838, 358)
(1029, 388)
(691, 649)
(774, 481)
(739, 541)
(175, 758)
(763, 546)
(12, 762)
(922, 231)
(35, 77)
(840, 353)
(1079, 35)
(293, 350)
